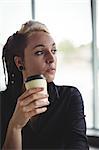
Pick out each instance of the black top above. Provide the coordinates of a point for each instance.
(61, 127)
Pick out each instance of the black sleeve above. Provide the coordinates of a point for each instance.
(77, 124)
(3, 123)
(6, 111)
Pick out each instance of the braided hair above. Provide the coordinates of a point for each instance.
(14, 47)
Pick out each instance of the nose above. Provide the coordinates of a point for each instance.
(50, 58)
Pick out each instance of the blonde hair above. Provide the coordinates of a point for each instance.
(31, 26)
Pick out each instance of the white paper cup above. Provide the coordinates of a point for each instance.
(35, 82)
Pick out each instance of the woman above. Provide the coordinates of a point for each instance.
(31, 119)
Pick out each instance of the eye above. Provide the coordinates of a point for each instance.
(39, 52)
(54, 51)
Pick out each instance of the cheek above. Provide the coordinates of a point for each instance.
(56, 60)
(39, 67)
(34, 67)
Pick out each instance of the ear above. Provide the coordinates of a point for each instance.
(18, 61)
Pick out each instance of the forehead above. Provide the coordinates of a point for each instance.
(40, 37)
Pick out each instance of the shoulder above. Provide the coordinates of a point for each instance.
(68, 90)
(70, 94)
(8, 102)
(4, 95)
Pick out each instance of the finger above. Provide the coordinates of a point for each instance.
(29, 92)
(41, 103)
(37, 111)
(32, 98)
(35, 105)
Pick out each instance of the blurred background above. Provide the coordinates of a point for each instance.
(74, 25)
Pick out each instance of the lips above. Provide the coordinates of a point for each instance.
(51, 70)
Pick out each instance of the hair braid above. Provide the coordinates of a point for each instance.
(14, 47)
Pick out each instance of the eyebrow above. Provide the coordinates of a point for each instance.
(41, 45)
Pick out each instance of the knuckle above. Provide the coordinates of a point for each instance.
(36, 111)
(23, 109)
(19, 100)
(33, 96)
(44, 100)
(26, 115)
(29, 91)
(35, 103)
(19, 103)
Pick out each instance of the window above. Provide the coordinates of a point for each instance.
(97, 63)
(12, 15)
(70, 24)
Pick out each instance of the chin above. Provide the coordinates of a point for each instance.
(49, 81)
(49, 78)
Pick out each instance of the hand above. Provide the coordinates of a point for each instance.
(30, 103)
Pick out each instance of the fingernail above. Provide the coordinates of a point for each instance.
(48, 102)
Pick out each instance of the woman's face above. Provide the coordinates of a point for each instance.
(40, 56)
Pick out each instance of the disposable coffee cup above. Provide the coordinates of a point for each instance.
(36, 81)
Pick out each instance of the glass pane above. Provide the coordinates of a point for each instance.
(69, 22)
(97, 126)
(12, 15)
(97, 114)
